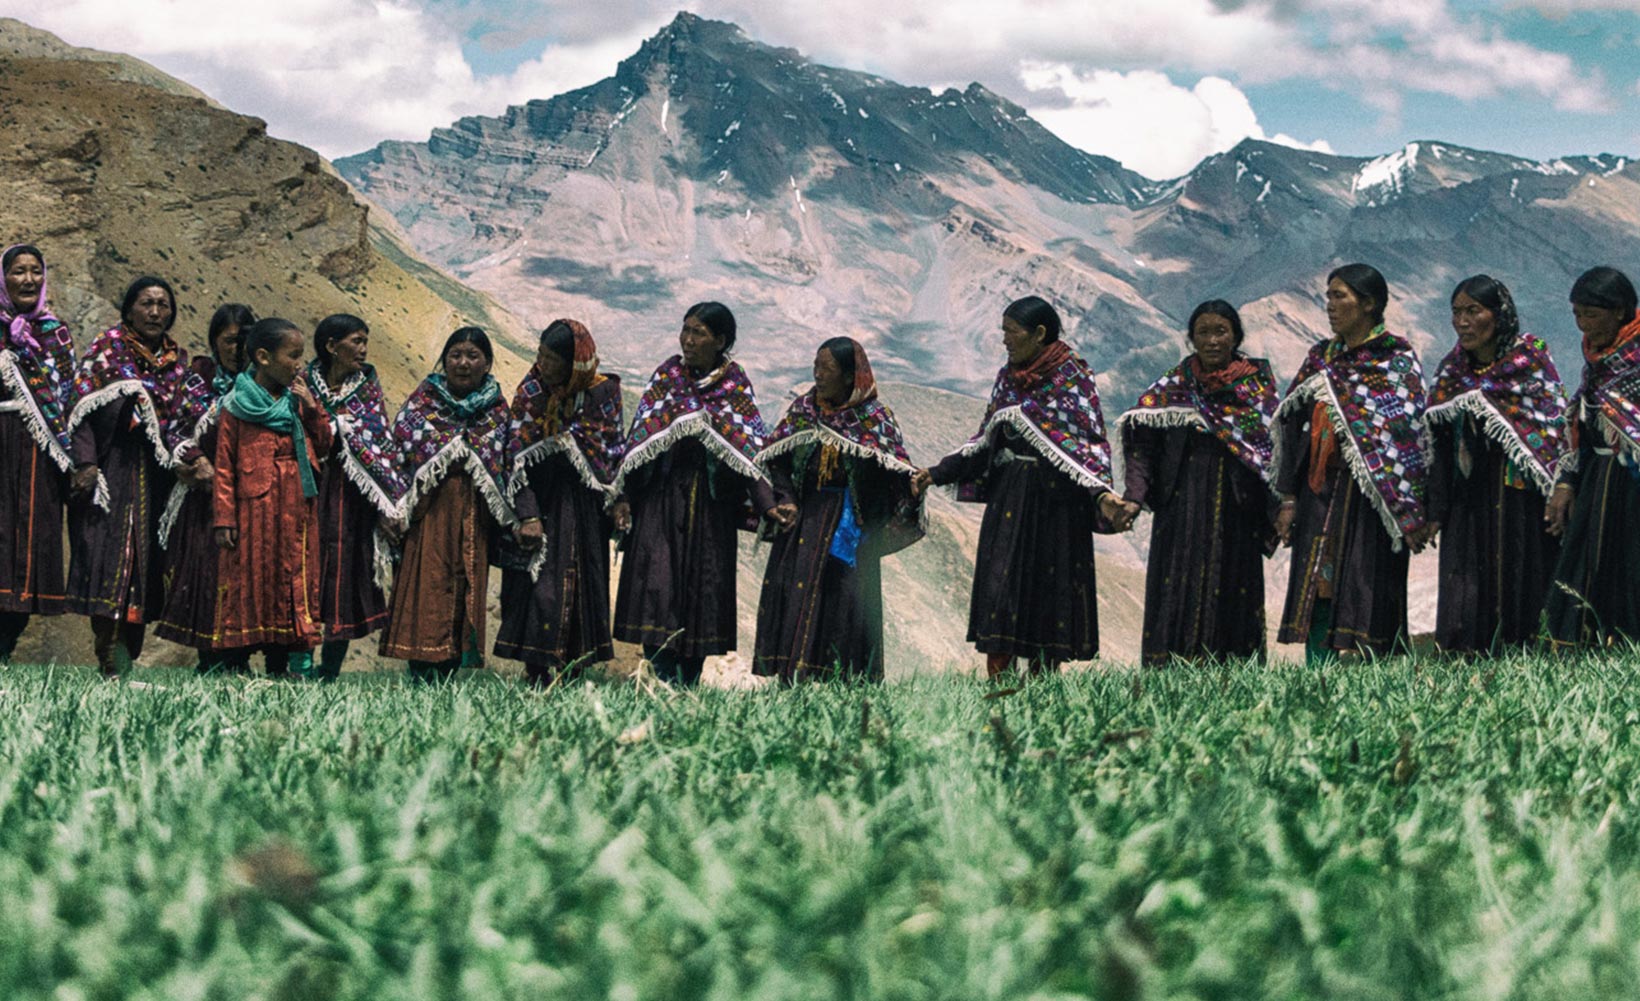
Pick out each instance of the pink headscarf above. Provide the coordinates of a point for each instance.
(20, 327)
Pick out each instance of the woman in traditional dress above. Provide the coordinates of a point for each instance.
(356, 491)
(1040, 463)
(451, 439)
(1595, 507)
(1198, 450)
(566, 441)
(191, 553)
(687, 483)
(1497, 421)
(265, 510)
(1352, 479)
(842, 486)
(127, 379)
(36, 395)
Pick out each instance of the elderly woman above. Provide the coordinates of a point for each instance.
(36, 395)
(566, 440)
(1041, 465)
(451, 441)
(1352, 477)
(1497, 419)
(842, 483)
(127, 380)
(356, 490)
(1198, 453)
(1595, 507)
(189, 615)
(687, 483)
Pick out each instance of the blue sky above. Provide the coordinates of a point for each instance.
(1158, 84)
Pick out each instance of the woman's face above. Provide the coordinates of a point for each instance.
(1347, 313)
(552, 366)
(347, 354)
(150, 315)
(1022, 345)
(465, 368)
(1598, 324)
(700, 348)
(1476, 326)
(284, 363)
(829, 382)
(1214, 340)
(24, 280)
(226, 348)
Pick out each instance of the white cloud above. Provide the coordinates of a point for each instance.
(1145, 120)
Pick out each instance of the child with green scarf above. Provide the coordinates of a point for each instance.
(264, 513)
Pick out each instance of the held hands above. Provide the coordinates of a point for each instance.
(1424, 537)
(1284, 521)
(1115, 510)
(227, 538)
(528, 534)
(784, 515)
(921, 480)
(197, 473)
(1559, 510)
(84, 479)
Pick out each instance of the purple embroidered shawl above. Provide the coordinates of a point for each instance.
(722, 413)
(1239, 414)
(1517, 400)
(37, 371)
(359, 411)
(590, 435)
(432, 436)
(111, 369)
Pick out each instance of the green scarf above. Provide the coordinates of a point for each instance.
(250, 402)
(474, 403)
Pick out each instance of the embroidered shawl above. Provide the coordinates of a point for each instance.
(1610, 396)
(1374, 396)
(431, 436)
(194, 411)
(37, 370)
(582, 420)
(1517, 401)
(1057, 412)
(864, 428)
(358, 409)
(1239, 414)
(114, 367)
(720, 410)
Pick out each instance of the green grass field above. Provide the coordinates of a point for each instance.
(1370, 831)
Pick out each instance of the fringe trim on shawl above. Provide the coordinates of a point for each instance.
(435, 469)
(693, 426)
(1315, 386)
(173, 510)
(822, 435)
(149, 418)
(562, 442)
(29, 409)
(1155, 417)
(381, 563)
(1497, 428)
(1049, 452)
(179, 492)
(360, 477)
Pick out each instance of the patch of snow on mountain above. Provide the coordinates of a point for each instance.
(1380, 180)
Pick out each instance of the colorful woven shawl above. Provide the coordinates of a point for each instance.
(1610, 396)
(720, 410)
(582, 420)
(863, 428)
(1374, 395)
(116, 365)
(432, 434)
(194, 411)
(1054, 405)
(1238, 413)
(37, 370)
(1517, 400)
(358, 409)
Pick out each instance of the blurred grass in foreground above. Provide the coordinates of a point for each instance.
(1387, 830)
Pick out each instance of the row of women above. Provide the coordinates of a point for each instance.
(254, 500)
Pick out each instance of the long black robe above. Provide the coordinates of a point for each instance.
(1595, 596)
(115, 567)
(817, 616)
(1034, 592)
(32, 489)
(1496, 559)
(1204, 585)
(1340, 545)
(563, 615)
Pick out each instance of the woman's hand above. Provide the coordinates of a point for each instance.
(227, 538)
(1558, 512)
(1423, 536)
(197, 473)
(1284, 521)
(622, 513)
(302, 393)
(1114, 511)
(921, 480)
(784, 515)
(84, 479)
(529, 534)
(394, 529)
